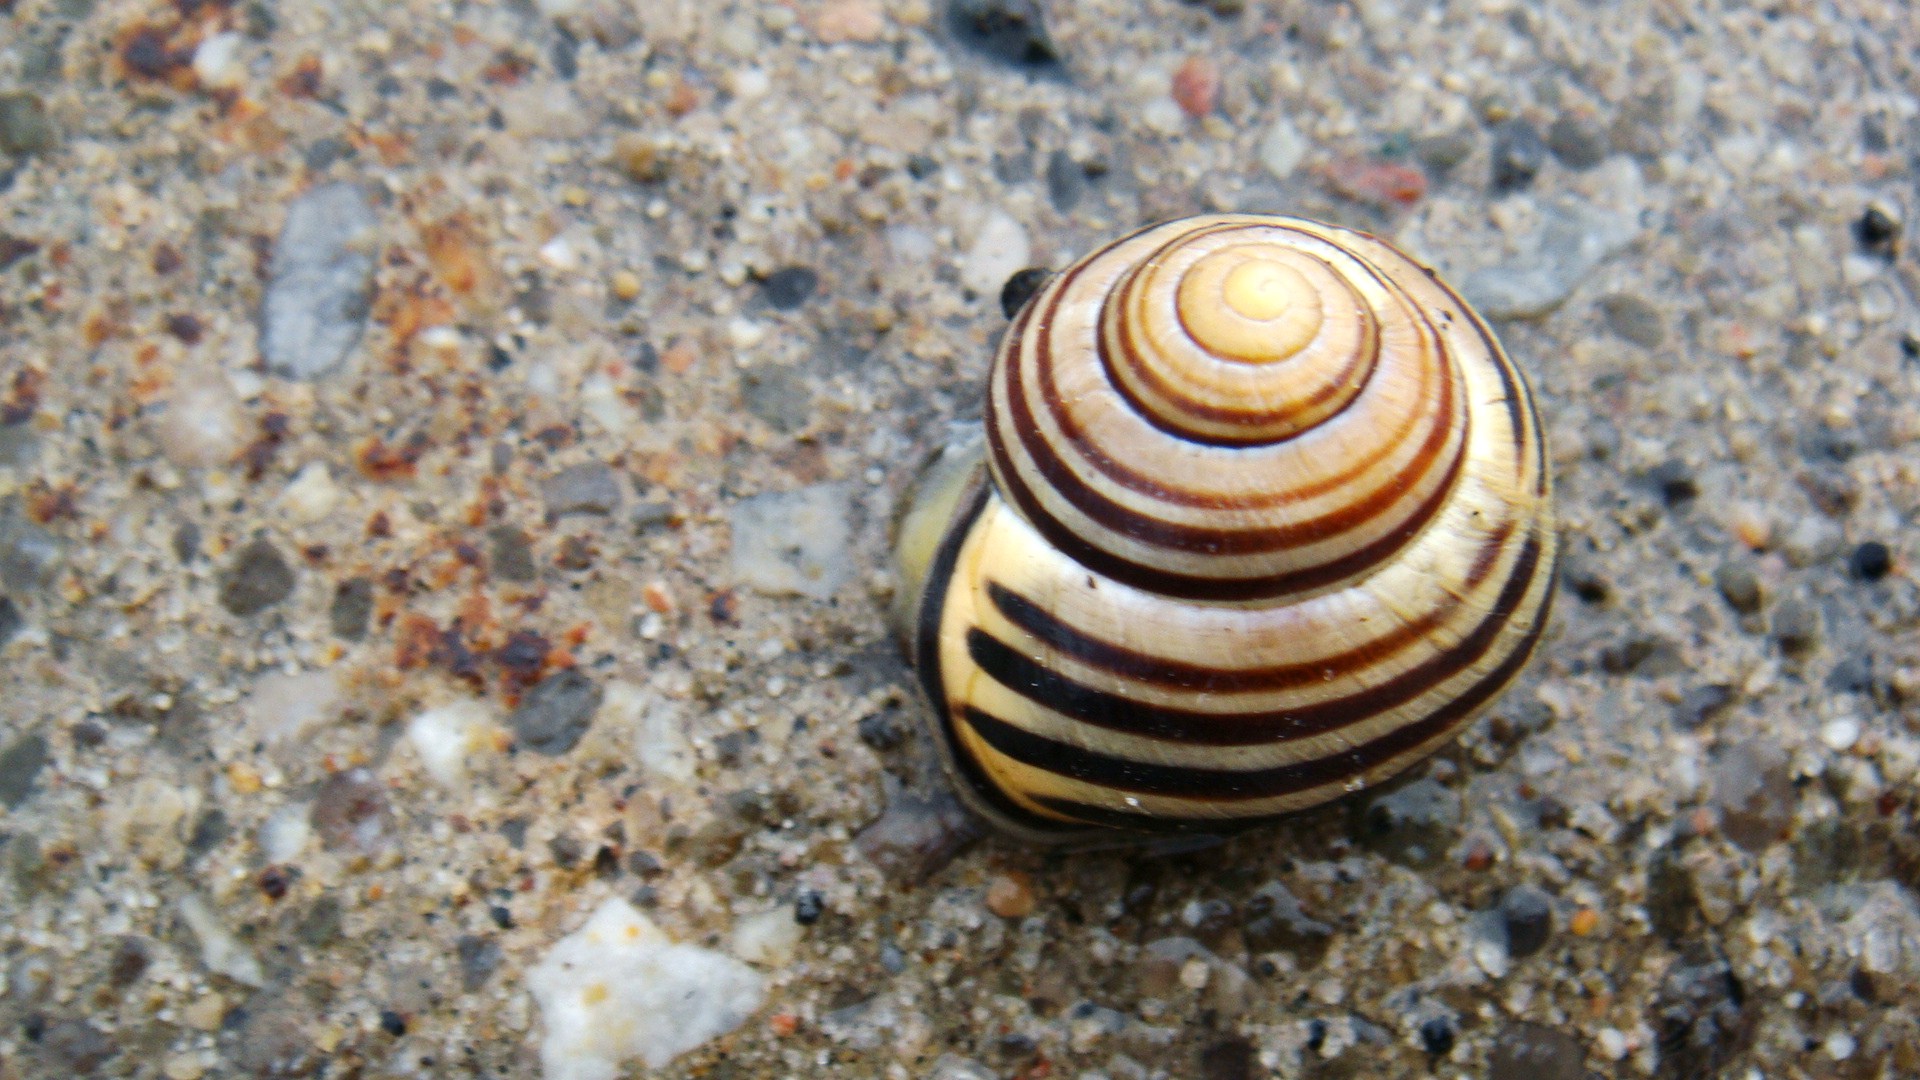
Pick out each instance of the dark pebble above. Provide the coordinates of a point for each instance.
(1436, 1035)
(501, 916)
(920, 166)
(1674, 483)
(1020, 288)
(350, 813)
(1535, 1052)
(1702, 1020)
(1701, 704)
(209, 832)
(1413, 823)
(1632, 319)
(1518, 154)
(1869, 562)
(1527, 915)
(186, 542)
(808, 907)
(1232, 1058)
(565, 53)
(1010, 31)
(257, 579)
(321, 925)
(479, 958)
(1578, 140)
(29, 554)
(589, 488)
(20, 766)
(1066, 181)
(1832, 488)
(1670, 901)
(917, 835)
(1796, 626)
(10, 621)
(789, 287)
(1441, 153)
(352, 609)
(566, 850)
(131, 957)
(882, 731)
(512, 554)
(78, 1047)
(1852, 675)
(1274, 921)
(274, 1040)
(556, 713)
(1878, 232)
(1740, 587)
(393, 1023)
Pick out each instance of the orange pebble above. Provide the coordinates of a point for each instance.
(1010, 895)
(1196, 86)
(1584, 922)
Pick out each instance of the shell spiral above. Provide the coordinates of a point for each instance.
(1263, 518)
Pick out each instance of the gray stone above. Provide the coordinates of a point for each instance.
(352, 608)
(479, 958)
(1275, 922)
(19, 447)
(77, 1047)
(778, 395)
(20, 766)
(794, 542)
(1569, 244)
(1578, 140)
(512, 554)
(556, 713)
(25, 129)
(318, 298)
(1518, 154)
(1526, 913)
(1633, 319)
(589, 488)
(1703, 1018)
(1414, 823)
(256, 579)
(11, 621)
(1753, 790)
(1535, 1052)
(29, 554)
(1740, 587)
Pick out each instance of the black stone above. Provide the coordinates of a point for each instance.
(1701, 704)
(1674, 482)
(556, 713)
(808, 907)
(1527, 915)
(1020, 288)
(789, 287)
(1869, 562)
(1232, 1058)
(882, 731)
(1670, 901)
(920, 166)
(1010, 31)
(1436, 1035)
(393, 1023)
(1518, 154)
(257, 579)
(10, 621)
(1877, 232)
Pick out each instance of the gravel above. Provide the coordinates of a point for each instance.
(319, 296)
(556, 713)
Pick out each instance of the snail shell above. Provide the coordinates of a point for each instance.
(1261, 516)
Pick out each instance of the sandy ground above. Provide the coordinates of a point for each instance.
(446, 453)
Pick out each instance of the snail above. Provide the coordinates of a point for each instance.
(1259, 516)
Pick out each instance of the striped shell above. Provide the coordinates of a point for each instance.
(1263, 519)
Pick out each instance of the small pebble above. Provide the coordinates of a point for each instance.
(1524, 1051)
(590, 488)
(1740, 587)
(1841, 733)
(1066, 181)
(202, 423)
(1010, 31)
(25, 128)
(1196, 86)
(793, 542)
(20, 765)
(1000, 246)
(1701, 704)
(789, 287)
(1527, 915)
(1552, 261)
(320, 292)
(1415, 822)
(1753, 790)
(1633, 320)
(350, 813)
(1010, 895)
(479, 958)
(1578, 140)
(258, 578)
(1021, 288)
(352, 609)
(1797, 626)
(11, 621)
(555, 714)
(1518, 154)
(1869, 562)
(625, 286)
(1282, 149)
(1877, 232)
(849, 20)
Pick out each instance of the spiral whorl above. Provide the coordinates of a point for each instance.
(1268, 521)
(1234, 408)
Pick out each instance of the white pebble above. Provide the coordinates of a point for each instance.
(1611, 1043)
(768, 939)
(311, 495)
(618, 989)
(1282, 148)
(1194, 973)
(793, 542)
(560, 253)
(658, 726)
(745, 333)
(999, 248)
(202, 423)
(220, 951)
(1840, 1046)
(216, 63)
(287, 708)
(1841, 733)
(285, 833)
(444, 737)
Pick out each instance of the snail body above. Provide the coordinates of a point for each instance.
(1260, 516)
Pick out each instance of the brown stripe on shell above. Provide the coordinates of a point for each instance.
(1113, 712)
